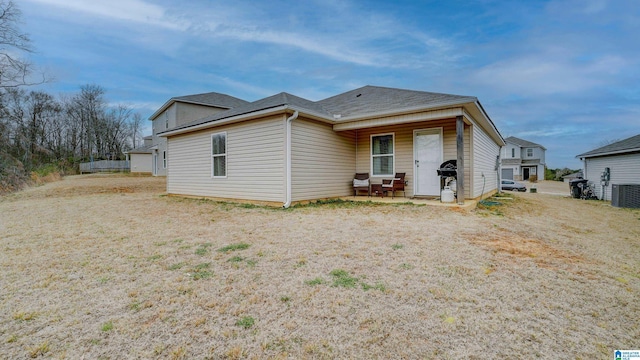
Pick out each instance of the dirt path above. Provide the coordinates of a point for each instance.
(107, 267)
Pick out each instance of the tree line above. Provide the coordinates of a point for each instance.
(38, 129)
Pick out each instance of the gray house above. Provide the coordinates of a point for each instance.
(622, 159)
(522, 159)
(285, 149)
(153, 156)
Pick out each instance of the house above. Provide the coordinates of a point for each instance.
(284, 148)
(619, 162)
(522, 159)
(140, 158)
(175, 112)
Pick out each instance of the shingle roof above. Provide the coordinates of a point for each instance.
(374, 99)
(522, 143)
(141, 150)
(362, 101)
(631, 144)
(270, 102)
(212, 99)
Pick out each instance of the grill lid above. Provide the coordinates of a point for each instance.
(448, 168)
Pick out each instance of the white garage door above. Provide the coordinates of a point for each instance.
(507, 174)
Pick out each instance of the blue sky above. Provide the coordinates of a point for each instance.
(564, 74)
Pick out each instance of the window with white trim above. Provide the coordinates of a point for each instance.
(219, 155)
(513, 152)
(382, 154)
(164, 159)
(529, 152)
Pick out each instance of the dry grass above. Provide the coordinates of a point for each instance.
(104, 266)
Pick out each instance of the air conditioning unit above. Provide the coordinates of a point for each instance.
(625, 195)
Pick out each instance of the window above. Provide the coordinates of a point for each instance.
(164, 159)
(382, 154)
(529, 152)
(166, 120)
(219, 155)
(513, 152)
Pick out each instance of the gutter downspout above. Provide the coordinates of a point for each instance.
(287, 159)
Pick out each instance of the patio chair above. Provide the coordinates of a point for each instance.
(395, 184)
(361, 183)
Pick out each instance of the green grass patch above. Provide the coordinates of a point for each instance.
(343, 279)
(108, 326)
(314, 282)
(154, 257)
(236, 259)
(203, 249)
(177, 266)
(397, 246)
(246, 322)
(234, 247)
(201, 271)
(377, 286)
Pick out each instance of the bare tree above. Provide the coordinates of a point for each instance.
(135, 128)
(14, 70)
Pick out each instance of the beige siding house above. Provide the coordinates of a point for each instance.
(175, 112)
(285, 149)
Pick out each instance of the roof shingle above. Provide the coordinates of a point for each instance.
(627, 145)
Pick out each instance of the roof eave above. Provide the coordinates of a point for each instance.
(624, 151)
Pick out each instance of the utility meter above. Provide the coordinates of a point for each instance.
(605, 176)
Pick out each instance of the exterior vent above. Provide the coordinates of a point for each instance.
(625, 195)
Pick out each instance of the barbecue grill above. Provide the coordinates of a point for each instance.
(448, 173)
(448, 169)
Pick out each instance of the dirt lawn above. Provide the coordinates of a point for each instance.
(105, 266)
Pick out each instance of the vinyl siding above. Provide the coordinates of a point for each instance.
(140, 163)
(186, 113)
(322, 161)
(404, 149)
(255, 162)
(624, 169)
(485, 151)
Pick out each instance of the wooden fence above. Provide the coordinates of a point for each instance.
(104, 166)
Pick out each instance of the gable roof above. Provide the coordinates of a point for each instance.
(628, 145)
(207, 99)
(369, 100)
(523, 143)
(352, 106)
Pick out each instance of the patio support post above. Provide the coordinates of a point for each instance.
(460, 160)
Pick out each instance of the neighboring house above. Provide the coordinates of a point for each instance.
(140, 159)
(284, 149)
(569, 177)
(175, 112)
(622, 158)
(521, 159)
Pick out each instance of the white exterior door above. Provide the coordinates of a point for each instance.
(427, 154)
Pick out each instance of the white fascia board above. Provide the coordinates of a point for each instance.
(162, 109)
(421, 116)
(619, 152)
(487, 124)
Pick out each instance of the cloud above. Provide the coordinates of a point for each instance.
(127, 10)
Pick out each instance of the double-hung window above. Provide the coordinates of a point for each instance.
(382, 154)
(164, 159)
(219, 155)
(529, 152)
